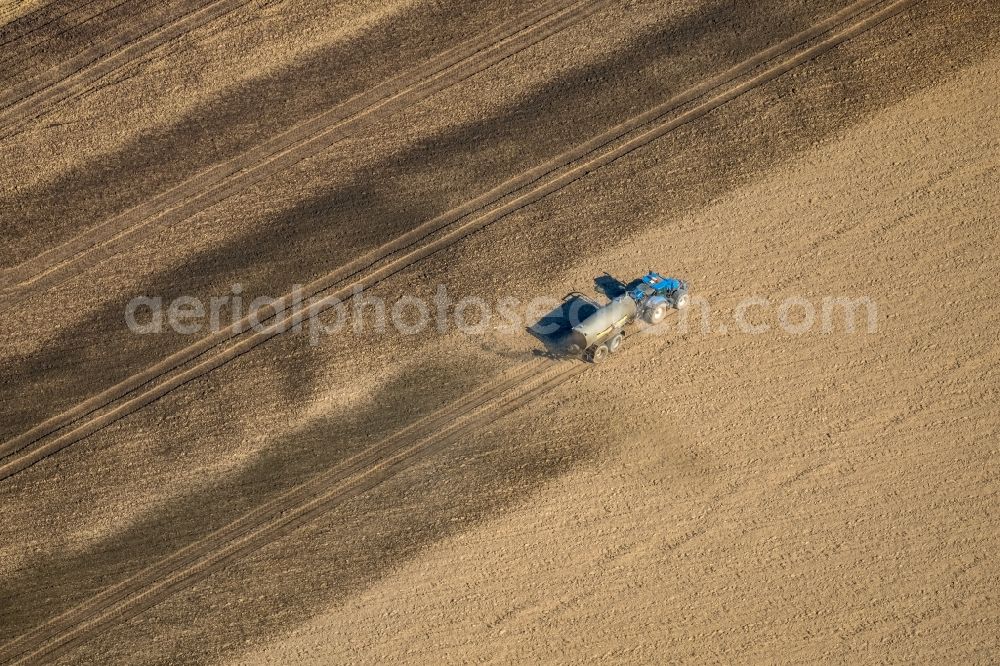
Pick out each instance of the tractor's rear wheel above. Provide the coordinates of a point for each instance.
(599, 353)
(657, 314)
(616, 343)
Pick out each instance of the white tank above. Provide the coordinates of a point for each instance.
(598, 327)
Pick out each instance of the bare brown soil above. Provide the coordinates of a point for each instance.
(707, 494)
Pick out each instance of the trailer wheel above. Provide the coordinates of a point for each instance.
(657, 314)
(616, 343)
(599, 353)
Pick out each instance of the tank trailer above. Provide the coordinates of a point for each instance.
(603, 331)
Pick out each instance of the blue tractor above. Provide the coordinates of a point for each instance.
(602, 332)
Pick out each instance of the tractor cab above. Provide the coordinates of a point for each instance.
(653, 284)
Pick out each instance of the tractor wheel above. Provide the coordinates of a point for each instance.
(682, 302)
(657, 314)
(599, 353)
(616, 343)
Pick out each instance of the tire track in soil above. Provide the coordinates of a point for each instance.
(44, 44)
(30, 445)
(30, 99)
(292, 509)
(20, 26)
(185, 355)
(37, 14)
(218, 183)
